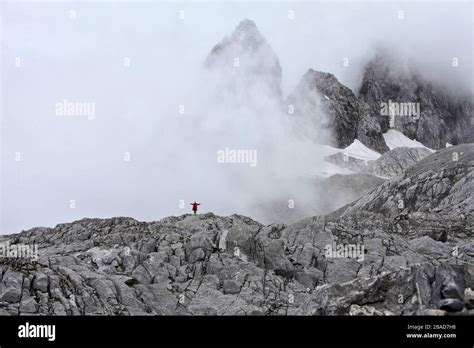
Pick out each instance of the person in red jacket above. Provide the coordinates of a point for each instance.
(195, 207)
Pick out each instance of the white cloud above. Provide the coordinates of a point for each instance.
(172, 155)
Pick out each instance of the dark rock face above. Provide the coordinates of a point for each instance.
(444, 118)
(382, 293)
(246, 64)
(451, 305)
(369, 258)
(320, 94)
(369, 129)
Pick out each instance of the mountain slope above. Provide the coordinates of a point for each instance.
(206, 264)
(444, 117)
(440, 183)
(320, 94)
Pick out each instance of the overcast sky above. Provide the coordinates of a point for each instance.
(139, 61)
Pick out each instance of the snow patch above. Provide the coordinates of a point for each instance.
(356, 150)
(360, 151)
(394, 139)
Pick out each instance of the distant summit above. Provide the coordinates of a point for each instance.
(346, 117)
(248, 35)
(248, 72)
(245, 38)
(247, 62)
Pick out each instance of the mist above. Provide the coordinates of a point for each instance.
(160, 116)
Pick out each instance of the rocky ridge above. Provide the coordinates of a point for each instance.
(336, 108)
(249, 68)
(415, 258)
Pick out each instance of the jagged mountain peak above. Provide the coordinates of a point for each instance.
(346, 117)
(247, 24)
(389, 61)
(320, 79)
(247, 63)
(319, 74)
(246, 29)
(245, 38)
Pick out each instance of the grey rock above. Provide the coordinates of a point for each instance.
(10, 295)
(445, 117)
(231, 287)
(364, 310)
(41, 282)
(452, 290)
(309, 278)
(427, 246)
(28, 305)
(451, 305)
(396, 161)
(341, 270)
(469, 298)
(197, 255)
(434, 312)
(352, 163)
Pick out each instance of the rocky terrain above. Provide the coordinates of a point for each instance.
(445, 117)
(407, 244)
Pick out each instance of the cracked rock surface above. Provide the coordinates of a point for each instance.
(415, 258)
